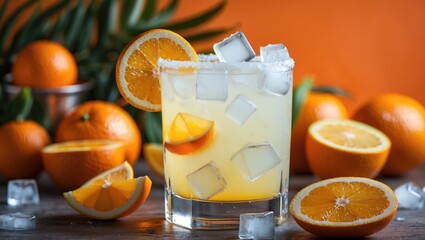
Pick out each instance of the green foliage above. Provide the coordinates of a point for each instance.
(95, 31)
(302, 90)
(20, 107)
(300, 94)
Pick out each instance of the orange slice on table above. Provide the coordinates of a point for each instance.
(112, 194)
(153, 154)
(189, 133)
(345, 207)
(135, 70)
(70, 164)
(339, 148)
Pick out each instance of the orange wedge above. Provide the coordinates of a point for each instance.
(189, 133)
(71, 164)
(153, 154)
(345, 207)
(112, 194)
(135, 70)
(346, 148)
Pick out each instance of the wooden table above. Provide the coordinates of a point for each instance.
(56, 220)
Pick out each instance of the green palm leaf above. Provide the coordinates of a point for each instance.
(73, 30)
(197, 20)
(9, 22)
(131, 12)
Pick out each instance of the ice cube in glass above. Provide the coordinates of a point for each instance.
(253, 160)
(410, 196)
(240, 109)
(274, 53)
(207, 181)
(256, 225)
(211, 85)
(22, 192)
(184, 85)
(233, 49)
(17, 221)
(277, 80)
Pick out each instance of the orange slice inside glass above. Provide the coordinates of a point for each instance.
(188, 133)
(345, 207)
(112, 194)
(135, 71)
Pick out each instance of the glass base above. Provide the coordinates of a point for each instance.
(196, 214)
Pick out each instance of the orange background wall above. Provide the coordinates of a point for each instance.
(366, 47)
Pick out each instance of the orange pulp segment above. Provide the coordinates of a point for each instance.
(188, 133)
(122, 172)
(135, 71)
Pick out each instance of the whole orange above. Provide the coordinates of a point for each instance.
(44, 64)
(402, 119)
(317, 106)
(21, 143)
(101, 120)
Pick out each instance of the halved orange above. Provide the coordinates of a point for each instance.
(345, 148)
(189, 133)
(345, 207)
(112, 194)
(153, 154)
(135, 71)
(70, 164)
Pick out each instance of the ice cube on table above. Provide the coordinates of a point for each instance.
(211, 85)
(207, 181)
(410, 196)
(277, 80)
(22, 192)
(17, 221)
(256, 225)
(240, 109)
(274, 53)
(253, 160)
(233, 49)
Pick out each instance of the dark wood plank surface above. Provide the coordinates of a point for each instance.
(56, 220)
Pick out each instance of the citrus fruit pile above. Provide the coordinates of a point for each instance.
(40, 64)
(396, 121)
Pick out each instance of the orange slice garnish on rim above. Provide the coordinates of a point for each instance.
(136, 80)
(188, 133)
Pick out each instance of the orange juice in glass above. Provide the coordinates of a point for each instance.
(226, 131)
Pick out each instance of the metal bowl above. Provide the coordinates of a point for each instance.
(56, 101)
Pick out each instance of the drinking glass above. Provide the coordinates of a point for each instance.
(226, 131)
